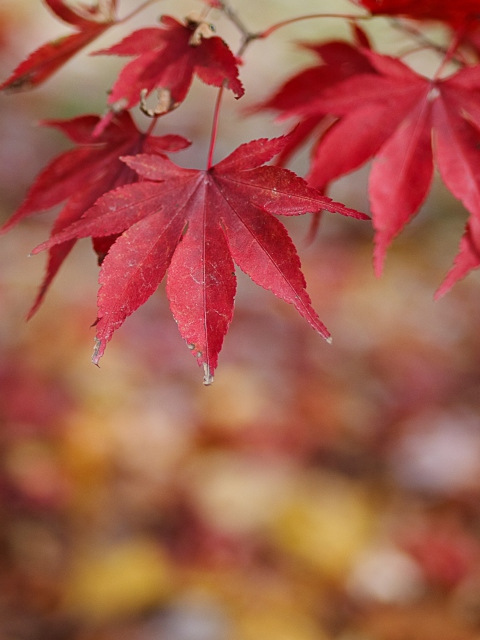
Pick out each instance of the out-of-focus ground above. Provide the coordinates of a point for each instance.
(314, 492)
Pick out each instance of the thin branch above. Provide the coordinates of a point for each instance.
(449, 55)
(140, 8)
(311, 16)
(234, 19)
(248, 36)
(421, 38)
(213, 137)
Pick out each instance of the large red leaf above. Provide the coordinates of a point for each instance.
(167, 60)
(43, 62)
(197, 224)
(80, 176)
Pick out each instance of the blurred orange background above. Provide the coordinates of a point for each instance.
(315, 491)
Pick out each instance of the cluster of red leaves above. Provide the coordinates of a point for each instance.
(404, 122)
(146, 215)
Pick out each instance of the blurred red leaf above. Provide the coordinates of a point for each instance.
(446, 557)
(43, 62)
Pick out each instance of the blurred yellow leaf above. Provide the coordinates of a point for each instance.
(125, 579)
(326, 522)
(277, 625)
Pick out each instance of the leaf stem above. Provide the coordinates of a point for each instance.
(450, 53)
(423, 41)
(213, 137)
(235, 20)
(285, 23)
(151, 127)
(249, 36)
(140, 8)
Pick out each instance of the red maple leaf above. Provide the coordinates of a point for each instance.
(81, 175)
(445, 10)
(167, 58)
(391, 116)
(43, 62)
(197, 224)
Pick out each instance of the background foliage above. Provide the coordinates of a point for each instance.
(315, 491)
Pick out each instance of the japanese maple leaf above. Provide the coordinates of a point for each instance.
(391, 116)
(167, 58)
(197, 224)
(81, 175)
(446, 10)
(42, 63)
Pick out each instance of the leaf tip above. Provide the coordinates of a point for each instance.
(379, 259)
(441, 291)
(450, 279)
(97, 352)
(207, 375)
(38, 248)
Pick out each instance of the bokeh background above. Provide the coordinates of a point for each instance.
(314, 492)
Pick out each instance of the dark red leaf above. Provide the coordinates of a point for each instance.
(80, 176)
(102, 245)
